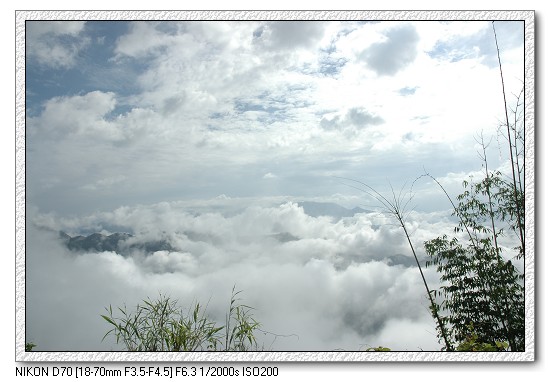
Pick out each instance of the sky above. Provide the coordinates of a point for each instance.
(211, 134)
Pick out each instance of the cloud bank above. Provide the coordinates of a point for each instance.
(322, 283)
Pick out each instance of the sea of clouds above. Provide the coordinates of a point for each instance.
(316, 283)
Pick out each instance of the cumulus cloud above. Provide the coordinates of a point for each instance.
(288, 35)
(224, 122)
(80, 114)
(143, 38)
(476, 42)
(396, 52)
(356, 117)
(39, 28)
(54, 43)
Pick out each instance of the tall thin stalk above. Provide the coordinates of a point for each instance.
(489, 193)
(493, 227)
(516, 198)
(396, 207)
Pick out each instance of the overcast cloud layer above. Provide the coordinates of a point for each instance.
(210, 134)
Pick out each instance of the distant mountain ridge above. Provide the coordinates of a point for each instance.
(316, 209)
(406, 261)
(116, 242)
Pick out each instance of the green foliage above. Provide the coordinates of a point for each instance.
(479, 285)
(29, 346)
(240, 326)
(160, 325)
(379, 348)
(472, 343)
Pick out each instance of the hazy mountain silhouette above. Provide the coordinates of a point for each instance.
(316, 209)
(117, 242)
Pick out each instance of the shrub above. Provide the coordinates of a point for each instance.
(160, 325)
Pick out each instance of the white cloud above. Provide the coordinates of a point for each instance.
(269, 175)
(243, 107)
(352, 121)
(45, 42)
(105, 183)
(395, 52)
(39, 28)
(291, 35)
(142, 39)
(317, 278)
(80, 114)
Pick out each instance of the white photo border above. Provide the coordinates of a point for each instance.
(335, 356)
